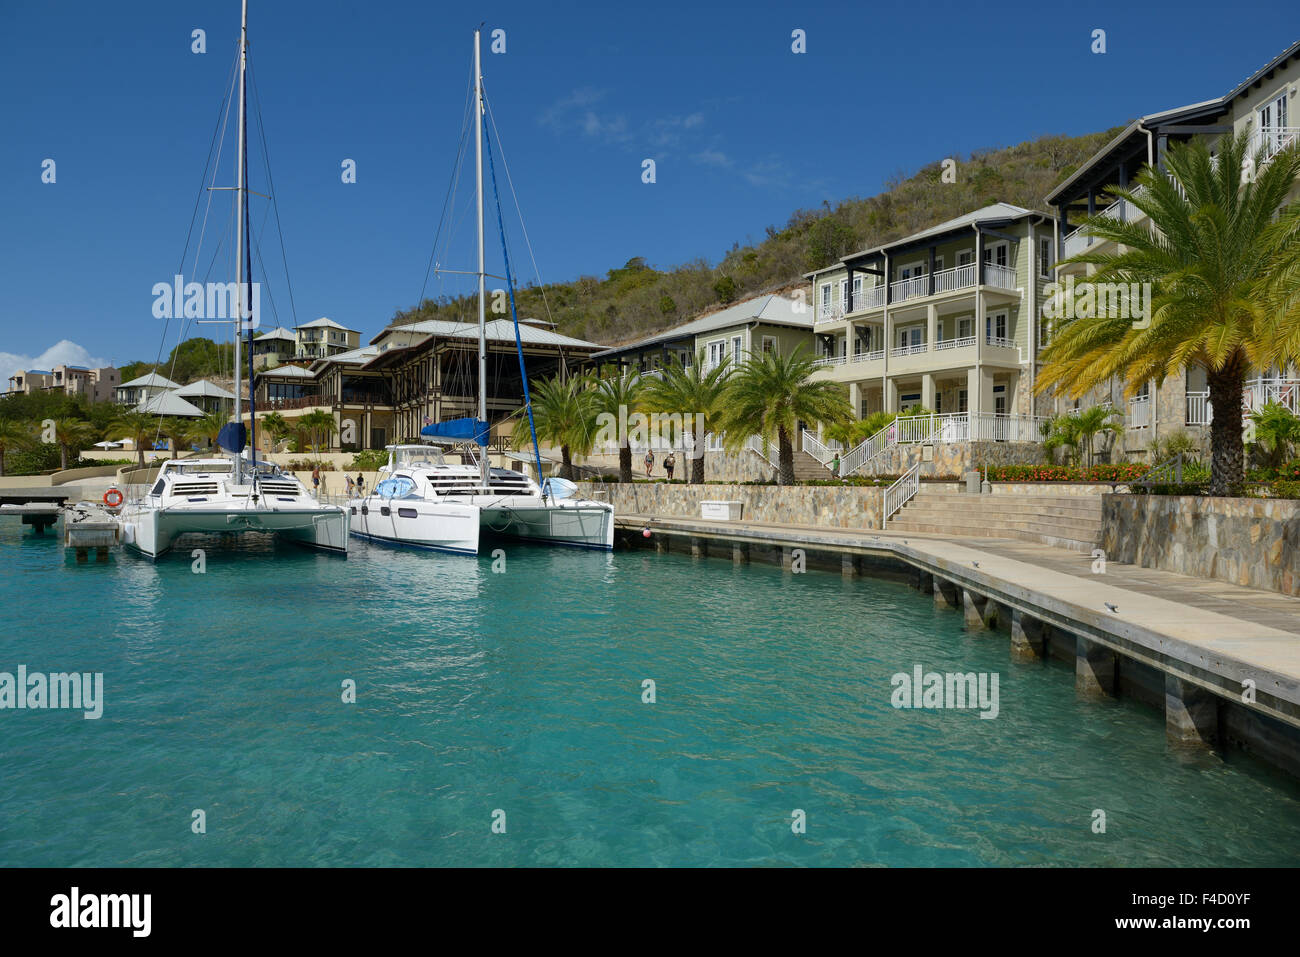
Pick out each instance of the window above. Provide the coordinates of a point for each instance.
(938, 330)
(1045, 257)
(965, 257)
(938, 402)
(909, 338)
(717, 352)
(995, 326)
(909, 401)
(1044, 333)
(1272, 117)
(966, 327)
(996, 253)
(962, 405)
(826, 296)
(769, 345)
(1000, 400)
(735, 350)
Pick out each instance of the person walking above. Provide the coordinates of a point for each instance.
(351, 486)
(649, 462)
(670, 463)
(835, 466)
(315, 481)
(361, 485)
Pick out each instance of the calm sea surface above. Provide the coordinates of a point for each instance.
(521, 692)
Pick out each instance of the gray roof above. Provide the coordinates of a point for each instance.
(772, 309)
(993, 212)
(324, 323)
(288, 372)
(206, 389)
(169, 403)
(152, 378)
(496, 330)
(279, 332)
(1215, 105)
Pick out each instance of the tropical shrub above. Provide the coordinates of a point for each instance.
(368, 460)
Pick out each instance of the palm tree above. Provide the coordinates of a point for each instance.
(139, 427)
(696, 391)
(319, 426)
(69, 434)
(1062, 432)
(769, 394)
(620, 395)
(1096, 420)
(176, 431)
(1277, 432)
(564, 416)
(276, 427)
(14, 435)
(1223, 261)
(204, 431)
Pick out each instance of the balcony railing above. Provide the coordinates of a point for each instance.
(1139, 412)
(830, 361)
(911, 288)
(961, 343)
(1001, 342)
(909, 350)
(830, 311)
(869, 356)
(1258, 392)
(1271, 140)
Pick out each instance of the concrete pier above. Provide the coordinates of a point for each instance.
(1131, 632)
(739, 554)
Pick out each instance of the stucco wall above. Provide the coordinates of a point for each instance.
(831, 506)
(1246, 541)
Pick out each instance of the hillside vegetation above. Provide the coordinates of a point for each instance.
(638, 299)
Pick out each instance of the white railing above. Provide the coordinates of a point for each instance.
(767, 451)
(961, 343)
(1004, 277)
(868, 356)
(872, 298)
(1004, 427)
(909, 350)
(1079, 239)
(868, 449)
(1282, 391)
(904, 289)
(830, 312)
(1199, 410)
(958, 277)
(830, 361)
(901, 492)
(823, 453)
(1272, 140)
(1139, 412)
(1001, 342)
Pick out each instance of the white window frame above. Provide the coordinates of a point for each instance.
(1045, 257)
(965, 327)
(774, 343)
(991, 324)
(1002, 246)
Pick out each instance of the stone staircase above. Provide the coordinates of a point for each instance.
(1067, 521)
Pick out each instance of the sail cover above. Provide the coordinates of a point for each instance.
(460, 430)
(232, 436)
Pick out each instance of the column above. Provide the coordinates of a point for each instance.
(1094, 668)
(927, 390)
(1191, 714)
(1027, 634)
(931, 326)
(855, 398)
(891, 395)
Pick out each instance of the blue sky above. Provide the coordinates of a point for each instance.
(742, 130)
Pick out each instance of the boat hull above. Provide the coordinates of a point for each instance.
(154, 532)
(445, 527)
(460, 527)
(578, 524)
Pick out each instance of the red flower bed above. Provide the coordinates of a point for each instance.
(1106, 472)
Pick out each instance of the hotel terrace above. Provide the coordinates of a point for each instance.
(1264, 104)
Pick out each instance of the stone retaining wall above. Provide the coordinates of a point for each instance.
(1246, 541)
(846, 506)
(951, 460)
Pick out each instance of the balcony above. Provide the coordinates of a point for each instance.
(1271, 140)
(960, 343)
(826, 361)
(1258, 392)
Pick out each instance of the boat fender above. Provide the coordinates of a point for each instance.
(128, 533)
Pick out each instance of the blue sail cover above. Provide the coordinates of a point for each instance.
(232, 436)
(460, 430)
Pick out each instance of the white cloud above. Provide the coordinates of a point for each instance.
(711, 157)
(63, 351)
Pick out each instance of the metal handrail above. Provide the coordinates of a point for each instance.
(901, 492)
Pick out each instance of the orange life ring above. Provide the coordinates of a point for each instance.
(117, 498)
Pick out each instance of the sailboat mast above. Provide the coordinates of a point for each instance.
(239, 225)
(482, 269)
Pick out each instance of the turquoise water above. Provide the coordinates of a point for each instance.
(522, 691)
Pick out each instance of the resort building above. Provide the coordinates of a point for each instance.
(97, 385)
(414, 374)
(144, 388)
(323, 338)
(170, 404)
(773, 322)
(943, 320)
(1266, 106)
(207, 396)
(273, 347)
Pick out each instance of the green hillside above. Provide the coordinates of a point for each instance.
(638, 299)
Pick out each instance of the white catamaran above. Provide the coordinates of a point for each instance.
(423, 499)
(232, 494)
